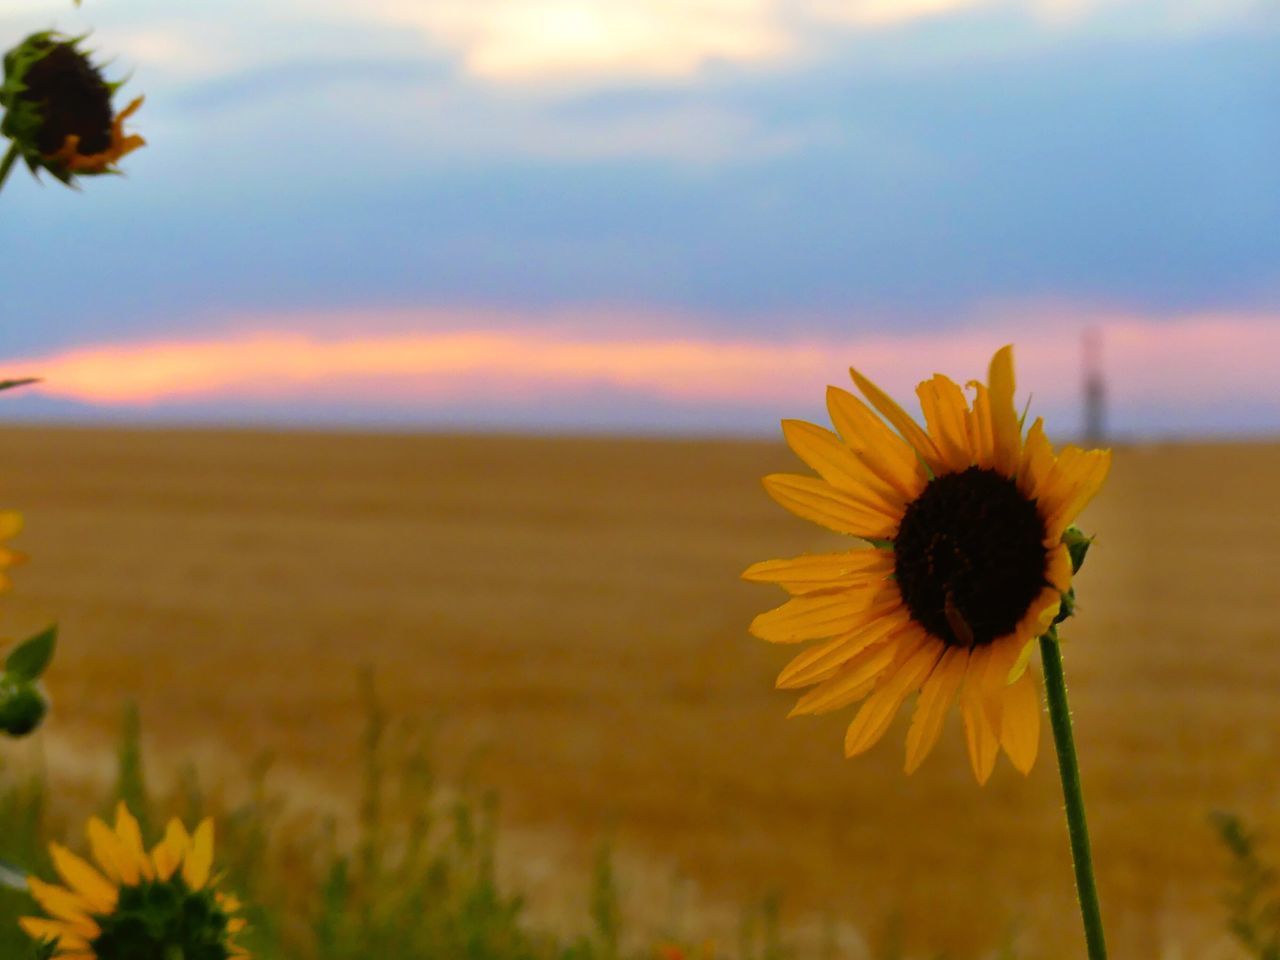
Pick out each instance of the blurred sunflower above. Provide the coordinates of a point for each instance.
(968, 563)
(58, 109)
(137, 905)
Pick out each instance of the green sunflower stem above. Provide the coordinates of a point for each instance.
(1055, 684)
(7, 163)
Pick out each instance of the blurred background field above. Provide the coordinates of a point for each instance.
(561, 619)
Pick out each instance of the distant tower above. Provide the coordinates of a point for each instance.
(1095, 390)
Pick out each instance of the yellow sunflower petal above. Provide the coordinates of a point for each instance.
(886, 454)
(902, 421)
(853, 681)
(822, 661)
(946, 414)
(199, 860)
(1020, 723)
(63, 905)
(94, 889)
(38, 928)
(10, 524)
(837, 464)
(1033, 625)
(168, 854)
(979, 726)
(109, 854)
(935, 700)
(1037, 460)
(816, 617)
(916, 658)
(981, 430)
(823, 571)
(1006, 432)
(130, 834)
(1058, 568)
(822, 503)
(1074, 480)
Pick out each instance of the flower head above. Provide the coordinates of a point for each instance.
(968, 562)
(58, 109)
(137, 905)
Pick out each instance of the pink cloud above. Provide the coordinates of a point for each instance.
(1209, 359)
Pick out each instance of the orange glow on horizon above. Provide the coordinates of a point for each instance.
(1200, 357)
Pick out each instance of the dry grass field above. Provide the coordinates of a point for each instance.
(566, 613)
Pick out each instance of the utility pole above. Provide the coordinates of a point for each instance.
(1095, 389)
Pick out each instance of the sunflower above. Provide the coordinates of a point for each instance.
(969, 560)
(58, 109)
(137, 905)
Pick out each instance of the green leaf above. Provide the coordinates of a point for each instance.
(24, 382)
(31, 657)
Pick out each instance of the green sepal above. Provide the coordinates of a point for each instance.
(44, 950)
(1068, 607)
(27, 661)
(22, 382)
(1077, 543)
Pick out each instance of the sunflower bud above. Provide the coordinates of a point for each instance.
(22, 708)
(58, 111)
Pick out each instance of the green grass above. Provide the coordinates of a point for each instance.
(419, 884)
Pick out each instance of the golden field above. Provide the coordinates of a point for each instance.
(566, 615)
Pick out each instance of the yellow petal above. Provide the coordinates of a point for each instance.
(63, 905)
(901, 420)
(935, 700)
(822, 503)
(916, 658)
(10, 524)
(168, 854)
(816, 617)
(199, 861)
(1058, 567)
(99, 894)
(979, 728)
(1020, 723)
(1006, 432)
(837, 464)
(946, 414)
(130, 835)
(885, 453)
(822, 661)
(38, 928)
(108, 852)
(853, 681)
(823, 571)
(1037, 461)
(1074, 480)
(981, 430)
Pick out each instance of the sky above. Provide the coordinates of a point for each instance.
(682, 216)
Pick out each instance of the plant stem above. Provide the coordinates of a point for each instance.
(7, 163)
(1069, 769)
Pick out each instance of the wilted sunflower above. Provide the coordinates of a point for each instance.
(58, 109)
(966, 568)
(137, 905)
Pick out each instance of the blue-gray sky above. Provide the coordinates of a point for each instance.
(850, 174)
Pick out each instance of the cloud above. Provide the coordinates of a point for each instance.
(512, 40)
(1165, 373)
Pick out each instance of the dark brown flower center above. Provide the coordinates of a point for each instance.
(970, 557)
(73, 98)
